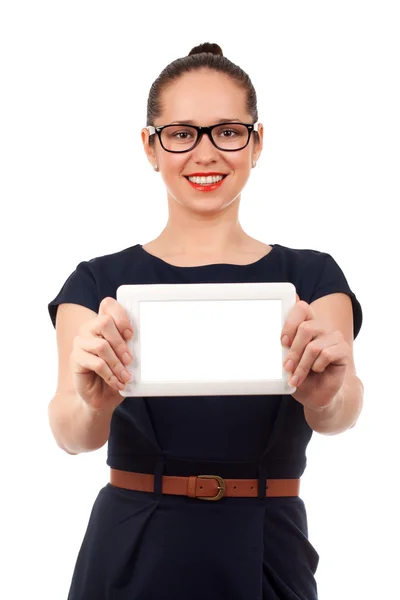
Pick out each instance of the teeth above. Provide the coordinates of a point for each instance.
(206, 180)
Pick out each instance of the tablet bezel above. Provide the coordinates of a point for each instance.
(131, 295)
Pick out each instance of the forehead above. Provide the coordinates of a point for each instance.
(204, 97)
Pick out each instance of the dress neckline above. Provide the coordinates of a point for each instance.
(274, 247)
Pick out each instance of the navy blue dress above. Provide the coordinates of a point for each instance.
(149, 546)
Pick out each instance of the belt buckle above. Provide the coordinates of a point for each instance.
(221, 487)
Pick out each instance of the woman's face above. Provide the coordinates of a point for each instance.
(204, 98)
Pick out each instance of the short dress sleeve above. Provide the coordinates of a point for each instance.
(79, 288)
(332, 280)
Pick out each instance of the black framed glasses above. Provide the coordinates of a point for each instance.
(229, 137)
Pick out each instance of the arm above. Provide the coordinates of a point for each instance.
(344, 411)
(75, 426)
(322, 353)
(335, 312)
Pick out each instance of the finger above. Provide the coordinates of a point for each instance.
(300, 312)
(104, 326)
(110, 306)
(335, 354)
(100, 348)
(307, 331)
(317, 356)
(85, 362)
(285, 339)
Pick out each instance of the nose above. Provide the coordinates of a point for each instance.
(205, 151)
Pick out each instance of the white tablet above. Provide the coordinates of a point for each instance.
(207, 339)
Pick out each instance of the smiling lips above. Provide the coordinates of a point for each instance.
(206, 182)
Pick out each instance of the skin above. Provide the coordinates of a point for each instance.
(207, 224)
(318, 356)
(199, 222)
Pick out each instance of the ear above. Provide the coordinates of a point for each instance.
(149, 150)
(259, 146)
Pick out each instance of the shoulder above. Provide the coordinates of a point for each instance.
(310, 270)
(114, 256)
(114, 261)
(107, 272)
(302, 258)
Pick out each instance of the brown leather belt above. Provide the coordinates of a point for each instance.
(204, 487)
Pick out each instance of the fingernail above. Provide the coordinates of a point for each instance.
(125, 374)
(294, 380)
(128, 334)
(285, 340)
(288, 366)
(126, 358)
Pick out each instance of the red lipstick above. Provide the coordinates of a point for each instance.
(204, 174)
(205, 188)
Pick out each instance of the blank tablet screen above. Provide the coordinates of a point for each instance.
(210, 340)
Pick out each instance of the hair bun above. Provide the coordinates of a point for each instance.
(207, 47)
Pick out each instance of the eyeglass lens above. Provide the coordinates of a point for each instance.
(226, 137)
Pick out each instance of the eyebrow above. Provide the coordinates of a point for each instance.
(190, 122)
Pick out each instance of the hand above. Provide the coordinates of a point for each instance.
(97, 359)
(319, 357)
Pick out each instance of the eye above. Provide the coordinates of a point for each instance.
(178, 133)
(228, 133)
(181, 135)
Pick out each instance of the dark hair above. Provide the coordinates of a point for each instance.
(207, 56)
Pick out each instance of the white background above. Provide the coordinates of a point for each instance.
(75, 184)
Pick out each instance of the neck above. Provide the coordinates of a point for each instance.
(189, 233)
(209, 241)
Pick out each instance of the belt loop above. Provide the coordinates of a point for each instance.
(158, 475)
(262, 480)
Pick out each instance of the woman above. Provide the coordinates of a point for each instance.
(151, 537)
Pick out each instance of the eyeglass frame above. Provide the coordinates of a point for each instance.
(252, 127)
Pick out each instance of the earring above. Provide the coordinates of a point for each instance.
(156, 168)
(254, 163)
